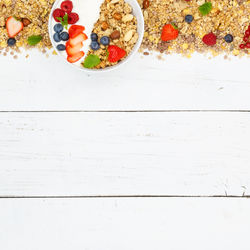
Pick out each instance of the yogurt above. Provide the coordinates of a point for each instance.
(88, 11)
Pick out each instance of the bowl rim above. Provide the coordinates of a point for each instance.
(110, 68)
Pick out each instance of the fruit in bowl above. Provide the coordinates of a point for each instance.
(96, 35)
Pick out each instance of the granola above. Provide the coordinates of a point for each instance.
(34, 15)
(119, 24)
(226, 17)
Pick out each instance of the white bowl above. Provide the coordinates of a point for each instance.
(140, 29)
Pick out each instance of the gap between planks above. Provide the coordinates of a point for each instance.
(126, 197)
(125, 111)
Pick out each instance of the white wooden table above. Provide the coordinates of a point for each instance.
(155, 155)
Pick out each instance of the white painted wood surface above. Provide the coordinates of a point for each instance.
(94, 224)
(40, 83)
(125, 153)
(136, 153)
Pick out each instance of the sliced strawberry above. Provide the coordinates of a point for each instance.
(115, 53)
(73, 50)
(67, 6)
(58, 13)
(13, 26)
(75, 30)
(73, 18)
(76, 57)
(78, 39)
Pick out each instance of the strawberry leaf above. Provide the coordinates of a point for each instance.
(33, 40)
(205, 8)
(91, 61)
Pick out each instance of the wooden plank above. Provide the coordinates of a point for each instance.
(123, 224)
(40, 83)
(123, 153)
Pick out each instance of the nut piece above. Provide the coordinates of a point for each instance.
(26, 22)
(128, 35)
(115, 35)
(145, 4)
(127, 18)
(117, 16)
(104, 25)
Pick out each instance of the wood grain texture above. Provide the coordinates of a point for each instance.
(94, 224)
(40, 83)
(124, 153)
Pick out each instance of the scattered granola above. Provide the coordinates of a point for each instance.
(216, 26)
(196, 21)
(27, 18)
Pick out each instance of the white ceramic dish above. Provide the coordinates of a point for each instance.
(140, 29)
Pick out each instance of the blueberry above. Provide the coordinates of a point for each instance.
(56, 37)
(94, 37)
(11, 41)
(228, 38)
(61, 47)
(58, 28)
(64, 36)
(95, 45)
(105, 40)
(189, 18)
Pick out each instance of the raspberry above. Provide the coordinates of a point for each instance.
(209, 39)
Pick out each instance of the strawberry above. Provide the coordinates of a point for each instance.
(73, 18)
(13, 26)
(67, 6)
(78, 39)
(73, 50)
(115, 53)
(75, 30)
(169, 32)
(76, 57)
(58, 13)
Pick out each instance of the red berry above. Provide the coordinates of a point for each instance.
(115, 53)
(242, 46)
(58, 13)
(73, 18)
(67, 6)
(247, 33)
(169, 32)
(248, 45)
(209, 39)
(245, 38)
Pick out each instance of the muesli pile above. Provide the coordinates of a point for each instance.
(186, 26)
(24, 23)
(171, 26)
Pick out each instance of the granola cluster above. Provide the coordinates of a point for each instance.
(33, 13)
(117, 22)
(226, 17)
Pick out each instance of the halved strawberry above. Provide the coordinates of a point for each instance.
(78, 39)
(169, 32)
(75, 30)
(72, 18)
(67, 6)
(58, 13)
(73, 50)
(76, 57)
(13, 26)
(115, 53)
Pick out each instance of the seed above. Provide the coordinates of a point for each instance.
(104, 25)
(26, 22)
(115, 35)
(145, 4)
(117, 16)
